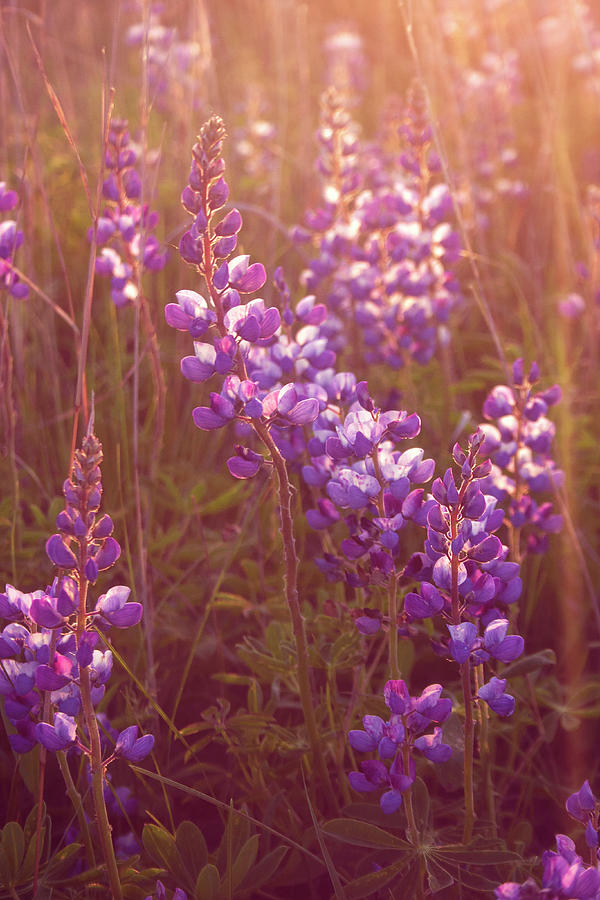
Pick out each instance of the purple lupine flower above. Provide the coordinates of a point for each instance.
(125, 227)
(494, 695)
(115, 608)
(383, 255)
(519, 445)
(355, 460)
(132, 747)
(565, 877)
(11, 238)
(410, 717)
(58, 736)
(161, 893)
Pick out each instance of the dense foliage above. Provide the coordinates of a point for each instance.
(299, 512)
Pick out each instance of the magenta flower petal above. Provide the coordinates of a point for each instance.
(59, 553)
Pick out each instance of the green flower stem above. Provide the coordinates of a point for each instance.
(413, 831)
(291, 591)
(465, 677)
(393, 633)
(96, 766)
(485, 751)
(43, 758)
(75, 798)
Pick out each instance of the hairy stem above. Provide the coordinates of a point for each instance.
(96, 767)
(393, 634)
(291, 592)
(75, 798)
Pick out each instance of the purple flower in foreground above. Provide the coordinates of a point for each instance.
(410, 716)
(161, 893)
(132, 747)
(565, 877)
(114, 608)
(493, 694)
(58, 736)
(585, 807)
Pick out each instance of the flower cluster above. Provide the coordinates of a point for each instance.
(125, 227)
(51, 641)
(175, 65)
(464, 572)
(585, 808)
(396, 740)
(236, 335)
(11, 238)
(385, 250)
(355, 460)
(520, 446)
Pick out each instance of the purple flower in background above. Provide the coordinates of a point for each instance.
(11, 238)
(124, 230)
(520, 446)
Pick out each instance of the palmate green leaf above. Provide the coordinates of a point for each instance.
(61, 862)
(191, 845)
(235, 836)
(361, 834)
(529, 664)
(230, 497)
(264, 870)
(13, 845)
(437, 876)
(474, 881)
(5, 868)
(346, 650)
(475, 856)
(243, 861)
(333, 873)
(368, 885)
(161, 847)
(208, 883)
(192, 792)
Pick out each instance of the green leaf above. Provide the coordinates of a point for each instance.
(421, 804)
(244, 861)
(208, 883)
(475, 857)
(476, 882)
(438, 877)
(236, 835)
(529, 664)
(228, 498)
(13, 844)
(264, 870)
(361, 834)
(61, 862)
(5, 873)
(160, 845)
(368, 885)
(192, 848)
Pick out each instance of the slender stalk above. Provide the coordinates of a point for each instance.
(465, 677)
(393, 633)
(413, 831)
(42, 780)
(96, 767)
(291, 592)
(486, 751)
(75, 798)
